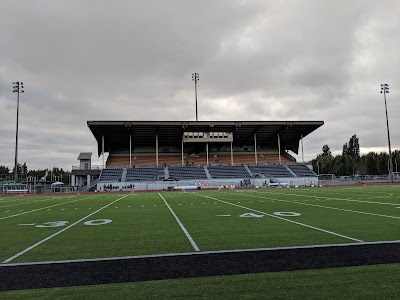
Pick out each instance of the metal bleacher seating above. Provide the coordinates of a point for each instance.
(228, 172)
(198, 172)
(111, 174)
(301, 170)
(188, 172)
(271, 170)
(144, 174)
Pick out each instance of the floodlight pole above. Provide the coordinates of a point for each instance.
(384, 90)
(17, 88)
(195, 78)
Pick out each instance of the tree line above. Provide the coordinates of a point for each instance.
(54, 174)
(350, 162)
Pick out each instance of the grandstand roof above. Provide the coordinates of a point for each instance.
(116, 133)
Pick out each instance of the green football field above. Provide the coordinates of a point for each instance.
(70, 227)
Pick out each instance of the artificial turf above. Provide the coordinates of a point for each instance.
(141, 224)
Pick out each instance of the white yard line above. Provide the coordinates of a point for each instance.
(10, 200)
(27, 202)
(283, 219)
(329, 207)
(29, 199)
(58, 232)
(337, 199)
(193, 253)
(196, 248)
(27, 212)
(18, 199)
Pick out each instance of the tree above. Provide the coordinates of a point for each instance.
(370, 163)
(345, 149)
(396, 160)
(353, 148)
(322, 164)
(338, 165)
(4, 170)
(382, 163)
(24, 169)
(326, 151)
(19, 169)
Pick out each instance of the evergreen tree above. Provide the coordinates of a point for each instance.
(24, 169)
(4, 170)
(382, 163)
(345, 149)
(326, 151)
(353, 148)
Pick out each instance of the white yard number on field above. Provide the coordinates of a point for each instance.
(53, 224)
(250, 215)
(63, 223)
(98, 222)
(277, 213)
(287, 214)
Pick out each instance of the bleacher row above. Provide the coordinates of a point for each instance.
(200, 172)
(229, 172)
(144, 174)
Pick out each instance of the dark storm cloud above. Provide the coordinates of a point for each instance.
(258, 60)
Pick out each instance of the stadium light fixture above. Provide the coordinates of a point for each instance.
(18, 87)
(195, 78)
(384, 91)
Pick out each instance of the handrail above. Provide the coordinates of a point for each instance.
(93, 167)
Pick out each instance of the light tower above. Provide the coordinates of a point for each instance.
(384, 91)
(195, 78)
(17, 88)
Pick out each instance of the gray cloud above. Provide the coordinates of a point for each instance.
(258, 60)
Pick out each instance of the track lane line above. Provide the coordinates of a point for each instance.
(283, 219)
(189, 237)
(58, 232)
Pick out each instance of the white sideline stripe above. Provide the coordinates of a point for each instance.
(58, 232)
(339, 199)
(329, 207)
(194, 253)
(280, 218)
(196, 248)
(27, 212)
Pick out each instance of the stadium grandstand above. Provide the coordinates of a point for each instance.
(160, 154)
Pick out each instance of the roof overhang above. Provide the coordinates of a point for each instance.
(117, 134)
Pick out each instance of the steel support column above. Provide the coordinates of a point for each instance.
(255, 148)
(279, 148)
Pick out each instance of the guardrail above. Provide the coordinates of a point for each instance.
(93, 167)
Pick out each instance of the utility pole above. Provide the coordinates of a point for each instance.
(384, 91)
(195, 78)
(17, 88)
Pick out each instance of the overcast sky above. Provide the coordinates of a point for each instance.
(133, 60)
